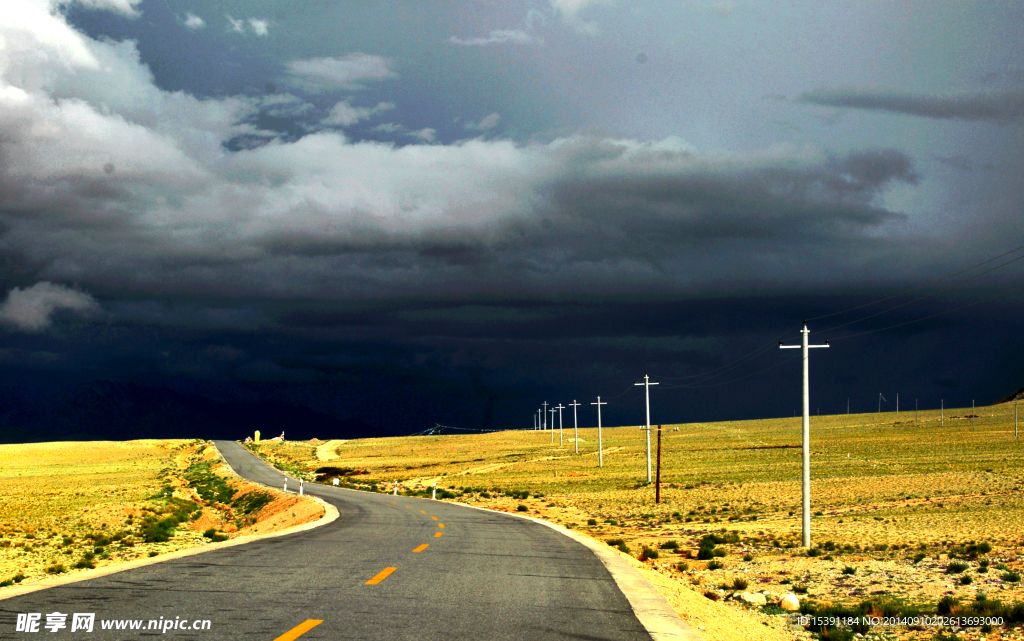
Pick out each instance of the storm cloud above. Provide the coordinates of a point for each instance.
(1002, 108)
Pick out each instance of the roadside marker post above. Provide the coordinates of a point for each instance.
(806, 538)
(336, 482)
(647, 403)
(286, 484)
(575, 425)
(600, 443)
(433, 494)
(301, 488)
(396, 489)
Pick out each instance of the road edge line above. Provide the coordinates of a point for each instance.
(330, 514)
(651, 608)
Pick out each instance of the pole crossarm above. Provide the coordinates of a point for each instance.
(575, 425)
(559, 408)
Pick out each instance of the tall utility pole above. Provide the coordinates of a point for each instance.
(1014, 419)
(806, 540)
(545, 404)
(600, 443)
(880, 399)
(942, 413)
(575, 425)
(657, 483)
(552, 410)
(559, 408)
(534, 422)
(647, 404)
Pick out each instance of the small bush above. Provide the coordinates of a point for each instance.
(154, 553)
(669, 545)
(966, 579)
(715, 564)
(799, 589)
(814, 552)
(711, 594)
(56, 568)
(956, 567)
(682, 566)
(946, 604)
(983, 563)
(849, 570)
(523, 508)
(748, 557)
(740, 584)
(648, 553)
(1010, 577)
(589, 521)
(920, 556)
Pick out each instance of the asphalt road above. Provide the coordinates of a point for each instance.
(458, 573)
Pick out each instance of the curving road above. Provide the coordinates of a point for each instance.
(455, 573)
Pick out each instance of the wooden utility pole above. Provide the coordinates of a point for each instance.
(657, 484)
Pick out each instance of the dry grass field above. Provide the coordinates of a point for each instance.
(69, 507)
(896, 499)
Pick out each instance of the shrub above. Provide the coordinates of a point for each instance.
(715, 564)
(669, 545)
(849, 570)
(799, 589)
(956, 567)
(682, 566)
(213, 536)
(648, 553)
(1010, 577)
(589, 521)
(966, 579)
(814, 552)
(748, 557)
(523, 508)
(740, 584)
(711, 594)
(946, 604)
(153, 553)
(56, 568)
(920, 556)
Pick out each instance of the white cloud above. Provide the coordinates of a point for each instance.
(30, 309)
(488, 123)
(426, 134)
(259, 27)
(238, 26)
(194, 22)
(344, 114)
(124, 7)
(501, 36)
(347, 72)
(570, 11)
(389, 127)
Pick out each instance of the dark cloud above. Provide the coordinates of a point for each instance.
(1001, 108)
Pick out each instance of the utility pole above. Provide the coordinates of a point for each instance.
(897, 406)
(806, 540)
(545, 404)
(847, 405)
(600, 443)
(647, 400)
(552, 410)
(535, 422)
(575, 425)
(1014, 419)
(880, 399)
(559, 408)
(657, 484)
(942, 413)
(972, 414)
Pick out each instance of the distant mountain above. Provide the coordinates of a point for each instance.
(107, 410)
(1016, 396)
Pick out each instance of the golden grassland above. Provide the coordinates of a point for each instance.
(72, 506)
(886, 490)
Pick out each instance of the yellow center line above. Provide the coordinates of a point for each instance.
(380, 577)
(441, 525)
(434, 517)
(393, 503)
(299, 630)
(423, 511)
(422, 547)
(409, 506)
(437, 534)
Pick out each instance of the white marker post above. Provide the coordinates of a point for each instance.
(806, 434)
(286, 484)
(600, 444)
(336, 482)
(396, 488)
(301, 488)
(433, 495)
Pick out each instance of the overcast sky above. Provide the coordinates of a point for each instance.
(554, 196)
